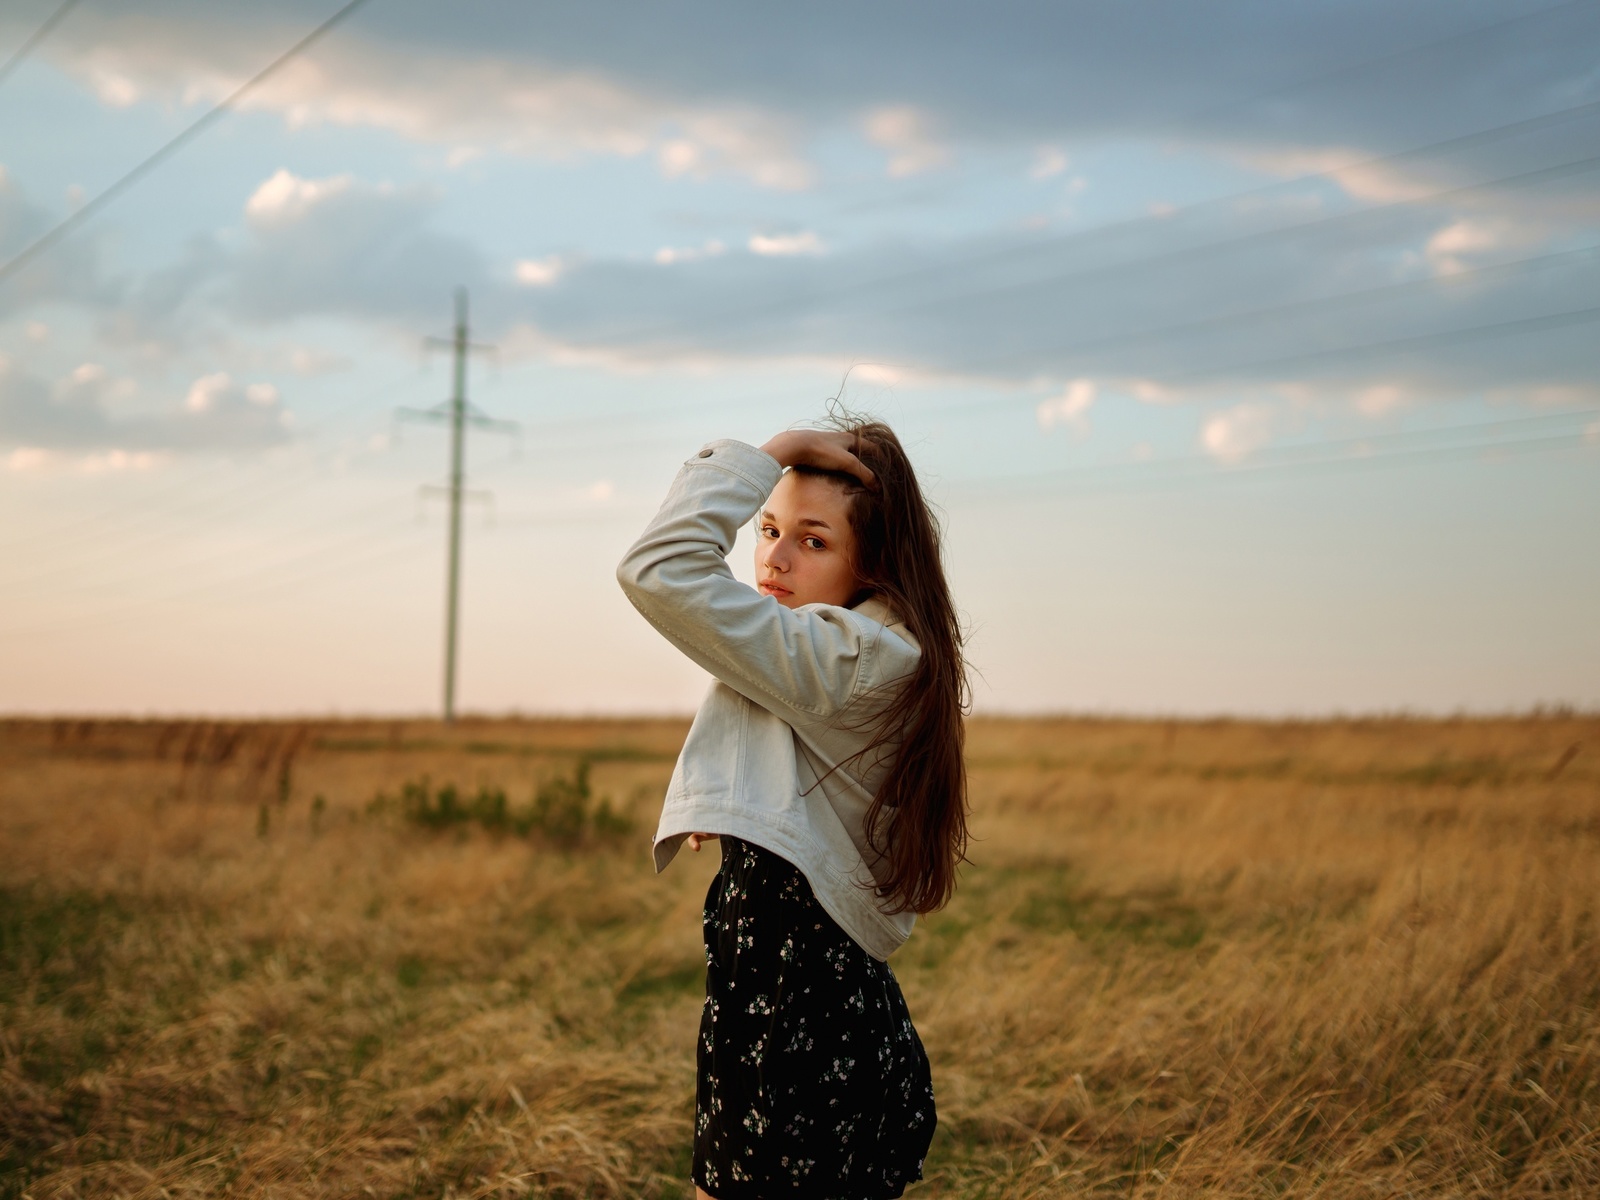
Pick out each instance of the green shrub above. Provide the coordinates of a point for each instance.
(562, 809)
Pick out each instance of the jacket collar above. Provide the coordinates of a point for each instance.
(875, 609)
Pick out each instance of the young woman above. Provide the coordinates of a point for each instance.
(827, 757)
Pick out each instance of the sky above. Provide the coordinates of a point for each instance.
(1249, 351)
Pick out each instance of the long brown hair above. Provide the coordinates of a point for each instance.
(918, 819)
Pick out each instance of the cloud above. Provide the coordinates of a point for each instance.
(746, 95)
(310, 361)
(1234, 433)
(465, 97)
(205, 391)
(1380, 399)
(1069, 408)
(72, 270)
(540, 272)
(738, 141)
(70, 413)
(36, 459)
(285, 197)
(346, 246)
(906, 134)
(80, 412)
(1208, 306)
(698, 95)
(1454, 248)
(28, 458)
(786, 245)
(1154, 307)
(668, 255)
(1349, 168)
(1048, 162)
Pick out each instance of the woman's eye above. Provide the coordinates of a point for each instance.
(813, 543)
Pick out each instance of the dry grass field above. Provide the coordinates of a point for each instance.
(1345, 958)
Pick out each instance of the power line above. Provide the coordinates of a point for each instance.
(1421, 446)
(1523, 179)
(1391, 57)
(1101, 233)
(1425, 341)
(39, 35)
(257, 581)
(132, 517)
(1196, 120)
(56, 570)
(1568, 319)
(1298, 308)
(1350, 464)
(1494, 272)
(59, 231)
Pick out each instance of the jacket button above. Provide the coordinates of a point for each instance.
(705, 454)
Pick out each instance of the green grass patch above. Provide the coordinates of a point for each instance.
(664, 984)
(53, 945)
(563, 809)
(1156, 917)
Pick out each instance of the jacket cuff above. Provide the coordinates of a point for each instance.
(756, 467)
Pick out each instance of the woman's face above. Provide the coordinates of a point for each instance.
(804, 543)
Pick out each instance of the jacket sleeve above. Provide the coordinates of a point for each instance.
(801, 664)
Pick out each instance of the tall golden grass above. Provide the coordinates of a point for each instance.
(1347, 958)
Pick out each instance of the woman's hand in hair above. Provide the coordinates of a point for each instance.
(825, 449)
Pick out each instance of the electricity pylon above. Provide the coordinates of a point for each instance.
(460, 413)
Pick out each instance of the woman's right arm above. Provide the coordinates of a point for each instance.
(802, 665)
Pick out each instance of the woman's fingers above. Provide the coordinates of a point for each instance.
(695, 840)
(827, 449)
(847, 449)
(834, 450)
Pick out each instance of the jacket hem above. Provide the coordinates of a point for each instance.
(868, 926)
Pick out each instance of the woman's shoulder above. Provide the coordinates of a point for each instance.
(884, 624)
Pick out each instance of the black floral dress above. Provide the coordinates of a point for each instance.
(812, 1081)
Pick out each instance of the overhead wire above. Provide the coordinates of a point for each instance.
(1462, 277)
(272, 577)
(1449, 145)
(38, 35)
(1426, 341)
(1551, 174)
(1554, 173)
(1212, 473)
(258, 580)
(1494, 272)
(1405, 52)
(1475, 436)
(1455, 143)
(134, 515)
(199, 557)
(1034, 251)
(60, 230)
(14, 264)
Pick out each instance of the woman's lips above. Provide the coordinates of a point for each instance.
(773, 589)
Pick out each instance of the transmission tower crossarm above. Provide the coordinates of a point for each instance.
(440, 412)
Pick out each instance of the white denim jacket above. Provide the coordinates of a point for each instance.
(772, 754)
